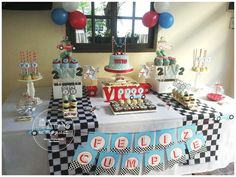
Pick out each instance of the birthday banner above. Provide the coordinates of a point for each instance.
(126, 153)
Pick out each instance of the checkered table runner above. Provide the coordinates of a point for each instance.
(203, 118)
(60, 153)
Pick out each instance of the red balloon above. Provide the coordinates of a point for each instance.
(150, 19)
(77, 20)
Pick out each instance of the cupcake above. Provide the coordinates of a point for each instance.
(121, 102)
(72, 97)
(134, 101)
(65, 63)
(65, 104)
(172, 60)
(27, 77)
(73, 103)
(140, 100)
(56, 64)
(35, 76)
(66, 109)
(158, 61)
(74, 63)
(166, 61)
(73, 108)
(128, 101)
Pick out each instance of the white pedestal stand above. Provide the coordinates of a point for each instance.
(31, 89)
(197, 81)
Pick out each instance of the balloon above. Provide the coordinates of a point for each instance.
(77, 20)
(59, 16)
(70, 6)
(166, 20)
(150, 19)
(161, 6)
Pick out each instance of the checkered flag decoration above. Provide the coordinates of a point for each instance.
(172, 162)
(85, 168)
(141, 150)
(121, 151)
(160, 146)
(101, 171)
(203, 118)
(193, 153)
(124, 171)
(60, 153)
(159, 167)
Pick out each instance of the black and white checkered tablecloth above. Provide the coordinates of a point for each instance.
(203, 118)
(60, 153)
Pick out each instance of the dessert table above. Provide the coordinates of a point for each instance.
(21, 155)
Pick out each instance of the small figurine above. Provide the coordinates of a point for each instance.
(145, 71)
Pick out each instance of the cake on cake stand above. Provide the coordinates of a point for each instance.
(119, 61)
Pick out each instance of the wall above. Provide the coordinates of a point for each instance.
(197, 25)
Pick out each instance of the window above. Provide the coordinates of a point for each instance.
(119, 19)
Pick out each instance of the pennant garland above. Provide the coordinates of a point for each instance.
(144, 142)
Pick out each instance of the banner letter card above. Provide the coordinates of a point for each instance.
(131, 163)
(176, 154)
(121, 142)
(186, 132)
(83, 158)
(143, 141)
(196, 144)
(107, 163)
(98, 141)
(165, 138)
(154, 160)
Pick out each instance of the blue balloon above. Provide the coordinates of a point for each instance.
(166, 20)
(59, 16)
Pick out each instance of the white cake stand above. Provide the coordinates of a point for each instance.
(31, 89)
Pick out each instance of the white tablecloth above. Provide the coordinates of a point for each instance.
(21, 155)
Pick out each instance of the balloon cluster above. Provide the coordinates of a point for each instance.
(69, 12)
(160, 15)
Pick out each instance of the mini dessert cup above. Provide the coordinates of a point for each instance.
(73, 103)
(73, 108)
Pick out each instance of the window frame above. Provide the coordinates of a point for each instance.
(107, 47)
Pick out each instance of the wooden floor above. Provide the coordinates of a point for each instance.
(229, 170)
